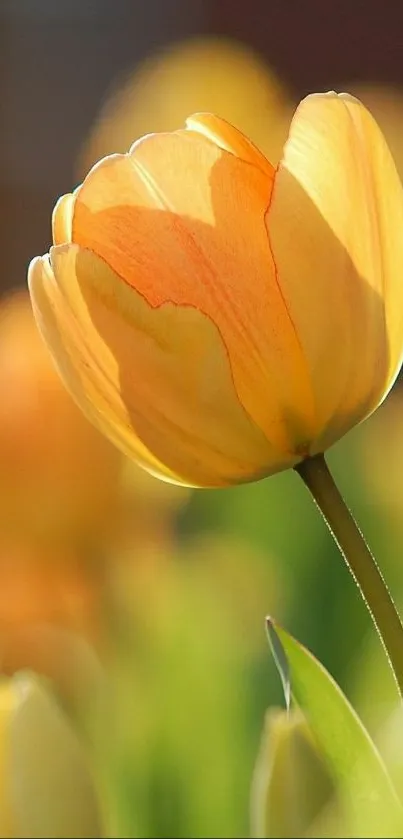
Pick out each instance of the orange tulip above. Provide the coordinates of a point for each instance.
(219, 319)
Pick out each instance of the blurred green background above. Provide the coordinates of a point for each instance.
(142, 603)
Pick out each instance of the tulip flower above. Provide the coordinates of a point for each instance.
(220, 319)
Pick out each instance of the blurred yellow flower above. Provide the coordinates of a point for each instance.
(217, 318)
(206, 73)
(51, 796)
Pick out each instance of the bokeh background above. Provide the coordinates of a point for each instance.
(142, 603)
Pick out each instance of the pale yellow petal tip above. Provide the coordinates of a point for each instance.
(144, 137)
(193, 121)
(332, 94)
(317, 98)
(62, 219)
(35, 271)
(210, 127)
(38, 269)
(215, 128)
(350, 98)
(32, 268)
(103, 163)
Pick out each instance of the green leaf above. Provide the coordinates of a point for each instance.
(368, 797)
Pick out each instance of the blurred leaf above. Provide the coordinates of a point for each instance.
(291, 783)
(365, 789)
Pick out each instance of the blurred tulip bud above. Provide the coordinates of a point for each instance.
(46, 786)
(212, 74)
(61, 656)
(291, 784)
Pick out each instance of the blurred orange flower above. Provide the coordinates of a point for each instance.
(45, 600)
(217, 318)
(58, 475)
(38, 589)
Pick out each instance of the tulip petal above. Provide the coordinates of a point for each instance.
(156, 381)
(182, 221)
(62, 219)
(55, 324)
(335, 225)
(224, 134)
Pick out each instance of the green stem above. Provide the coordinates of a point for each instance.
(317, 477)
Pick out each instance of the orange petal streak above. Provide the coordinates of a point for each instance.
(182, 221)
(155, 381)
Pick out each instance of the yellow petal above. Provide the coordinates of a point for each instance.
(156, 381)
(62, 219)
(182, 221)
(224, 134)
(335, 226)
(55, 322)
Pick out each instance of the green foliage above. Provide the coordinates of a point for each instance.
(365, 792)
(188, 674)
(292, 784)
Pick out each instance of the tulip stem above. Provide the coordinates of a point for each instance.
(360, 561)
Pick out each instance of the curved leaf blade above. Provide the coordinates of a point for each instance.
(369, 798)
